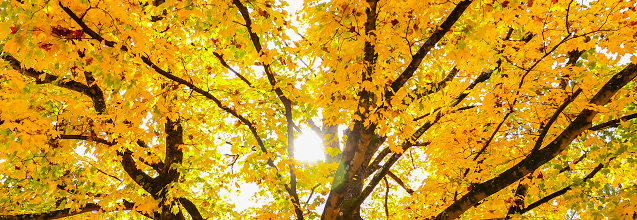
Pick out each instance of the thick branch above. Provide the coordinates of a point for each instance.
(542, 156)
(314, 127)
(361, 136)
(191, 208)
(174, 140)
(128, 163)
(429, 44)
(157, 166)
(95, 93)
(174, 156)
(142, 179)
(62, 213)
(92, 92)
(520, 193)
(393, 159)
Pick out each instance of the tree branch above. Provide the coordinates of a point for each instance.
(309, 197)
(92, 92)
(386, 197)
(191, 208)
(438, 86)
(62, 213)
(491, 138)
(439, 108)
(560, 192)
(392, 160)
(520, 192)
(575, 162)
(549, 123)
(481, 78)
(613, 123)
(374, 165)
(361, 136)
(86, 138)
(429, 44)
(286, 103)
(158, 166)
(128, 163)
(522, 188)
(223, 62)
(400, 182)
(142, 179)
(314, 127)
(484, 76)
(174, 154)
(540, 157)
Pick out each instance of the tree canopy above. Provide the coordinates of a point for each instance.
(426, 109)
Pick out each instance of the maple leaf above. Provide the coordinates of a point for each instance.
(505, 3)
(394, 22)
(46, 46)
(14, 29)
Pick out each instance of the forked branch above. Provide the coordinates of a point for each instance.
(559, 192)
(92, 92)
(542, 156)
(170, 76)
(416, 60)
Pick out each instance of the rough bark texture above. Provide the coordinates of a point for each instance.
(346, 193)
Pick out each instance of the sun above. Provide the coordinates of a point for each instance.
(309, 147)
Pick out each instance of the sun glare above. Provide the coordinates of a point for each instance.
(309, 147)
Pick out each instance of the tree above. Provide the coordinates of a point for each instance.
(471, 109)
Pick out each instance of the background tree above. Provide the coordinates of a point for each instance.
(485, 109)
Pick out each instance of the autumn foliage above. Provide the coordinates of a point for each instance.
(427, 109)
